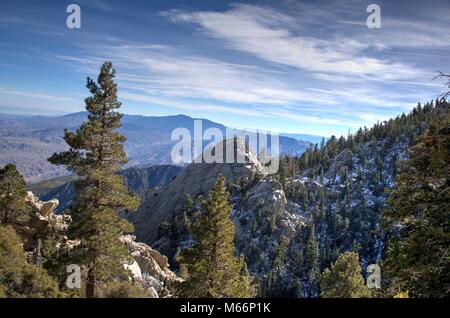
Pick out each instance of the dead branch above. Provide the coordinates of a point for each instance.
(447, 76)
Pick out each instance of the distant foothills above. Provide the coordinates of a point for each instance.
(28, 141)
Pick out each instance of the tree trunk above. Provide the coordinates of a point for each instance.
(90, 284)
(38, 260)
(5, 217)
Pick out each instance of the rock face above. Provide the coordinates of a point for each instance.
(265, 221)
(150, 269)
(262, 215)
(269, 191)
(41, 220)
(45, 209)
(162, 204)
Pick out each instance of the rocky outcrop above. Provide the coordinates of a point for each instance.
(150, 269)
(41, 220)
(162, 204)
(271, 193)
(264, 219)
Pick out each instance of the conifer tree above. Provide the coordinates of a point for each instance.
(297, 290)
(312, 258)
(17, 277)
(419, 219)
(13, 207)
(209, 266)
(344, 279)
(96, 154)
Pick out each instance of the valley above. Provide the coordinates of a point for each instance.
(29, 141)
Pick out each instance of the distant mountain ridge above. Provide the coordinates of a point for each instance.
(314, 139)
(29, 141)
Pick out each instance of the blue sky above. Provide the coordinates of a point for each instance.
(296, 66)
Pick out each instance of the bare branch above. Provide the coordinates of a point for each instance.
(447, 76)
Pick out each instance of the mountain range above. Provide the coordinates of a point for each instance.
(28, 141)
(314, 139)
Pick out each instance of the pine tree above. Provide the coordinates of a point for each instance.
(297, 290)
(312, 265)
(419, 219)
(209, 266)
(17, 277)
(96, 154)
(13, 208)
(344, 279)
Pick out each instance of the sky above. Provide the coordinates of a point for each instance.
(309, 67)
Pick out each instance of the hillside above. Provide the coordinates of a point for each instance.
(29, 141)
(45, 186)
(293, 225)
(138, 179)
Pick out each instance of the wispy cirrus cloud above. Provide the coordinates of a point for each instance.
(169, 72)
(285, 63)
(272, 36)
(169, 76)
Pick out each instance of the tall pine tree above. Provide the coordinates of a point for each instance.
(96, 154)
(209, 266)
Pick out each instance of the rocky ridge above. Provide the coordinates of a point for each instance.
(263, 216)
(150, 269)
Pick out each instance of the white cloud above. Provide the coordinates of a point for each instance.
(173, 73)
(188, 106)
(289, 70)
(270, 35)
(165, 76)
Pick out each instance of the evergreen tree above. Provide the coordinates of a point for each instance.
(312, 259)
(13, 207)
(96, 154)
(209, 266)
(17, 277)
(419, 219)
(344, 279)
(297, 290)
